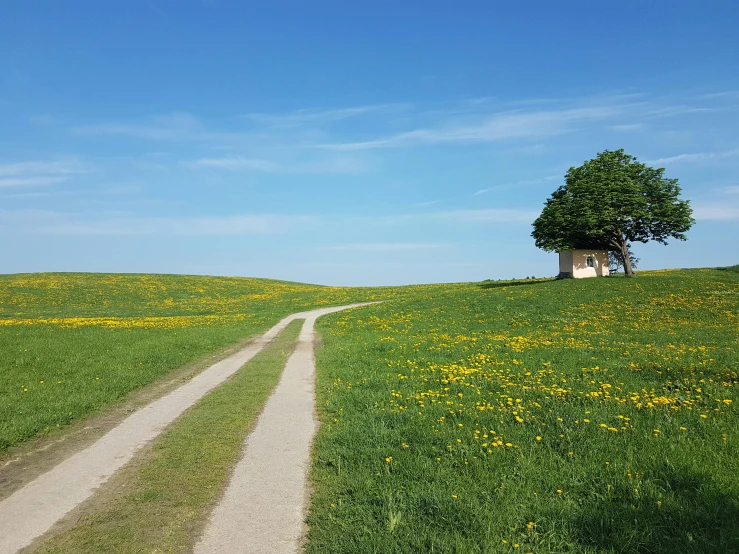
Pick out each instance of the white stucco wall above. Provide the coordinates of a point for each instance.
(565, 262)
(580, 269)
(574, 262)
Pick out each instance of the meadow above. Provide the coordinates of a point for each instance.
(588, 416)
(583, 416)
(73, 343)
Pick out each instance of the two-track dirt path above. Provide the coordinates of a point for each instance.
(278, 486)
(262, 509)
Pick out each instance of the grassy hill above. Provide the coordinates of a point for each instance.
(593, 415)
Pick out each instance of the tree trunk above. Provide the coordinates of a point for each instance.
(619, 241)
(628, 270)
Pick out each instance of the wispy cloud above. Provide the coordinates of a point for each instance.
(31, 181)
(427, 203)
(46, 193)
(30, 219)
(716, 212)
(487, 216)
(99, 191)
(312, 117)
(127, 224)
(38, 173)
(267, 224)
(500, 126)
(470, 121)
(672, 111)
(517, 184)
(723, 95)
(628, 127)
(233, 163)
(340, 165)
(177, 126)
(494, 215)
(389, 247)
(52, 167)
(698, 157)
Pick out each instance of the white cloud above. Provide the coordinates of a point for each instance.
(499, 126)
(671, 111)
(53, 167)
(341, 165)
(126, 224)
(456, 216)
(516, 184)
(233, 163)
(628, 127)
(306, 116)
(728, 94)
(695, 158)
(716, 212)
(389, 247)
(38, 173)
(471, 121)
(427, 203)
(177, 126)
(186, 226)
(487, 216)
(31, 181)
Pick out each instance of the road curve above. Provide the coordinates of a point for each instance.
(32, 510)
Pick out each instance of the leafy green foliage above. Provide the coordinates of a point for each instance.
(609, 202)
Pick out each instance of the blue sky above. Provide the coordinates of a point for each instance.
(350, 143)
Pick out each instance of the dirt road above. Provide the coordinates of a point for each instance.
(32, 510)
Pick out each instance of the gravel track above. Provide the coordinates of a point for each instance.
(263, 508)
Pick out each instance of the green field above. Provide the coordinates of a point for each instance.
(584, 416)
(593, 415)
(73, 343)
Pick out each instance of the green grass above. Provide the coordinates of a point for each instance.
(432, 407)
(629, 383)
(71, 344)
(169, 494)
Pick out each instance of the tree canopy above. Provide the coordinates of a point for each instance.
(609, 202)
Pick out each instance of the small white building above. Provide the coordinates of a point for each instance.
(583, 263)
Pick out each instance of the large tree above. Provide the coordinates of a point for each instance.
(609, 202)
